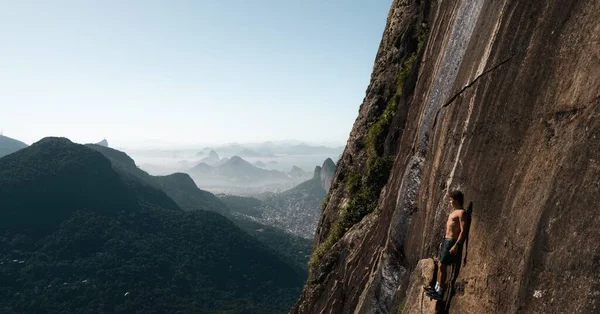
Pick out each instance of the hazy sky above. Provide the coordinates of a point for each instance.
(186, 72)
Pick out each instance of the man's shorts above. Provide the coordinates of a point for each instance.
(445, 256)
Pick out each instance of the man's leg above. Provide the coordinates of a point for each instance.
(441, 278)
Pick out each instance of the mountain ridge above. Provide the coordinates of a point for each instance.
(9, 145)
(81, 235)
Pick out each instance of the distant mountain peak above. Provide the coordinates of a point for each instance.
(212, 159)
(327, 173)
(237, 160)
(317, 172)
(201, 168)
(103, 142)
(329, 164)
(9, 145)
(213, 154)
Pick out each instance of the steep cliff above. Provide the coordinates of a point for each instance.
(327, 172)
(500, 99)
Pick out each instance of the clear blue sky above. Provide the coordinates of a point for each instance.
(186, 72)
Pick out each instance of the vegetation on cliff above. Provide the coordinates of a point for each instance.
(364, 185)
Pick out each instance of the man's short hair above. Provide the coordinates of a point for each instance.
(458, 196)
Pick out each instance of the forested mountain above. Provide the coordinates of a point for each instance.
(180, 187)
(246, 212)
(243, 211)
(79, 234)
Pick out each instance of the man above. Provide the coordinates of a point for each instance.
(455, 235)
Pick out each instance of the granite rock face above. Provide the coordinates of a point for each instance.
(500, 99)
(327, 172)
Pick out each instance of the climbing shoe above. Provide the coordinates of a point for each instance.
(434, 296)
(429, 288)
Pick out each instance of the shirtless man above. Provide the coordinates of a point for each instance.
(455, 236)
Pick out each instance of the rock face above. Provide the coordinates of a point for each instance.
(317, 173)
(327, 172)
(501, 100)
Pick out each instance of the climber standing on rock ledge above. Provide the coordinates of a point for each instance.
(450, 247)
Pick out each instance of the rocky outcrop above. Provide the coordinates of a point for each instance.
(416, 301)
(317, 173)
(327, 172)
(501, 100)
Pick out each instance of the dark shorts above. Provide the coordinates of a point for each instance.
(445, 256)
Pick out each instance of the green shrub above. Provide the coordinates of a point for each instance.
(325, 201)
(353, 182)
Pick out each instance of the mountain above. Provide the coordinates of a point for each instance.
(260, 164)
(201, 169)
(497, 99)
(213, 154)
(212, 158)
(242, 205)
(221, 162)
(131, 174)
(242, 211)
(238, 169)
(9, 145)
(326, 174)
(43, 185)
(181, 188)
(103, 142)
(81, 233)
(246, 212)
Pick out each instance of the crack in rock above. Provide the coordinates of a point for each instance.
(462, 90)
(449, 102)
